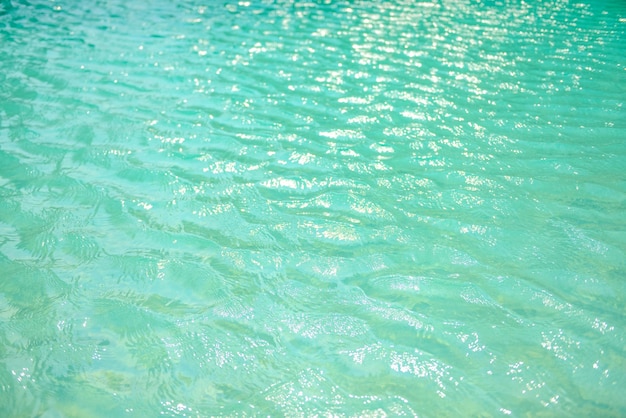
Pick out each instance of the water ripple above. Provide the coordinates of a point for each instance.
(328, 207)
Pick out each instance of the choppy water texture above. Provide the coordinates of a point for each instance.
(357, 208)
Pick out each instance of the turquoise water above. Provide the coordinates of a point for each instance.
(337, 208)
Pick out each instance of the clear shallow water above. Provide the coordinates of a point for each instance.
(287, 208)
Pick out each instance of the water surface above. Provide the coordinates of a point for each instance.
(350, 208)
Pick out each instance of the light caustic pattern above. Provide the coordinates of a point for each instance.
(339, 208)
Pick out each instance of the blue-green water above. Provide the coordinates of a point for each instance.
(337, 208)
